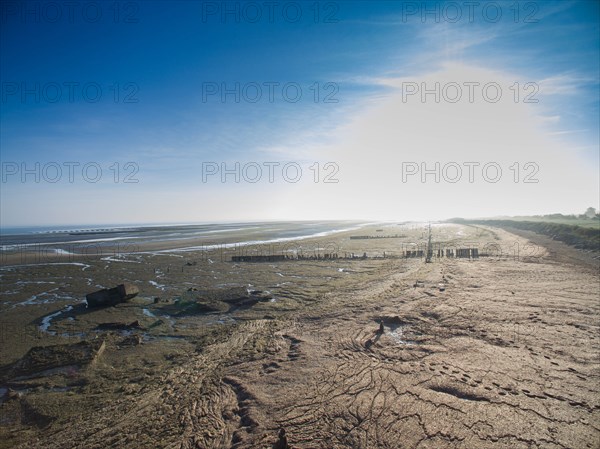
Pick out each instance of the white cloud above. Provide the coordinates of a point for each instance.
(564, 84)
(371, 148)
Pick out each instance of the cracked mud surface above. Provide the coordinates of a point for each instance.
(505, 355)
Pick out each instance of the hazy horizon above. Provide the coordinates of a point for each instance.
(112, 225)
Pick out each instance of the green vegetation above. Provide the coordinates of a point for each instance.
(574, 220)
(579, 236)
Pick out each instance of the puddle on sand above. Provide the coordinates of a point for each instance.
(34, 282)
(147, 337)
(166, 317)
(397, 335)
(46, 297)
(84, 266)
(222, 319)
(117, 259)
(47, 320)
(11, 292)
(157, 285)
(148, 313)
(3, 397)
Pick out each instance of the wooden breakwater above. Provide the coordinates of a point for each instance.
(368, 237)
(458, 253)
(296, 257)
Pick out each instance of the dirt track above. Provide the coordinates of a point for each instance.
(506, 356)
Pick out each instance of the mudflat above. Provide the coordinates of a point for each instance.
(382, 351)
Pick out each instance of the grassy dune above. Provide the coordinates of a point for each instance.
(583, 235)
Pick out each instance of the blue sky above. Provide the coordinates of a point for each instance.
(164, 55)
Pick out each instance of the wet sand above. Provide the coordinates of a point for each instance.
(498, 352)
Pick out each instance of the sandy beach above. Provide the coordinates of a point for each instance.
(495, 352)
(300, 225)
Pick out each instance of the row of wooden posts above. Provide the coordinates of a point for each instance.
(284, 257)
(459, 253)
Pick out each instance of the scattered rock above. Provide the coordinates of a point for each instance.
(261, 295)
(156, 324)
(192, 304)
(119, 326)
(392, 320)
(41, 359)
(282, 442)
(234, 296)
(12, 394)
(132, 340)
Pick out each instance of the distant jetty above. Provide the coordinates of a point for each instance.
(367, 237)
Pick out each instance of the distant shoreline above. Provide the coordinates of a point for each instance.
(165, 242)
